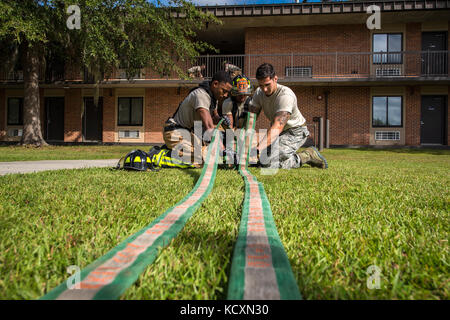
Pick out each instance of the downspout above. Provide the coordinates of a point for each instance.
(327, 122)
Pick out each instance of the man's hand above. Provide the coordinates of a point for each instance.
(254, 109)
(208, 125)
(230, 156)
(280, 120)
(226, 121)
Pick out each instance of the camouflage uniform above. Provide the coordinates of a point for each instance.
(282, 154)
(283, 150)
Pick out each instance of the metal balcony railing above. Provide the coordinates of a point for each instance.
(336, 65)
(294, 66)
(45, 75)
(52, 75)
(11, 76)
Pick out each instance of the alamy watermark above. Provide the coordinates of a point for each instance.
(74, 20)
(374, 277)
(374, 21)
(74, 280)
(195, 152)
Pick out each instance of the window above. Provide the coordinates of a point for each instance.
(387, 42)
(15, 111)
(387, 111)
(130, 112)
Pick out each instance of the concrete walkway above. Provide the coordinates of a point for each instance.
(44, 165)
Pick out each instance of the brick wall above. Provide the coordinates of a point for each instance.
(109, 120)
(309, 39)
(413, 37)
(72, 116)
(412, 109)
(160, 104)
(348, 112)
(349, 115)
(2, 114)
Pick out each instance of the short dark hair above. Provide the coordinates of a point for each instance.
(221, 76)
(265, 70)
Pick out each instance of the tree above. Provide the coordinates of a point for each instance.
(113, 33)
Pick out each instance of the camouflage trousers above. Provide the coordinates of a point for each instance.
(182, 142)
(282, 153)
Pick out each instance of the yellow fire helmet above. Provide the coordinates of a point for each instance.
(241, 86)
(136, 160)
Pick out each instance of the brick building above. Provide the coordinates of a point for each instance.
(385, 86)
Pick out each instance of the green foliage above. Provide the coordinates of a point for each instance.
(23, 20)
(127, 34)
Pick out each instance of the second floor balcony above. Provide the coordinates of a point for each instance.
(294, 67)
(338, 66)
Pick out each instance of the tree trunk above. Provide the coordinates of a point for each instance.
(32, 133)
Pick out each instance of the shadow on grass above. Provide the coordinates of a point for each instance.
(194, 173)
(208, 240)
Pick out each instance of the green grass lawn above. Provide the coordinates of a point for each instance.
(20, 153)
(388, 208)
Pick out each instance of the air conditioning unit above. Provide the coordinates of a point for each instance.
(388, 72)
(299, 72)
(129, 134)
(15, 132)
(387, 135)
